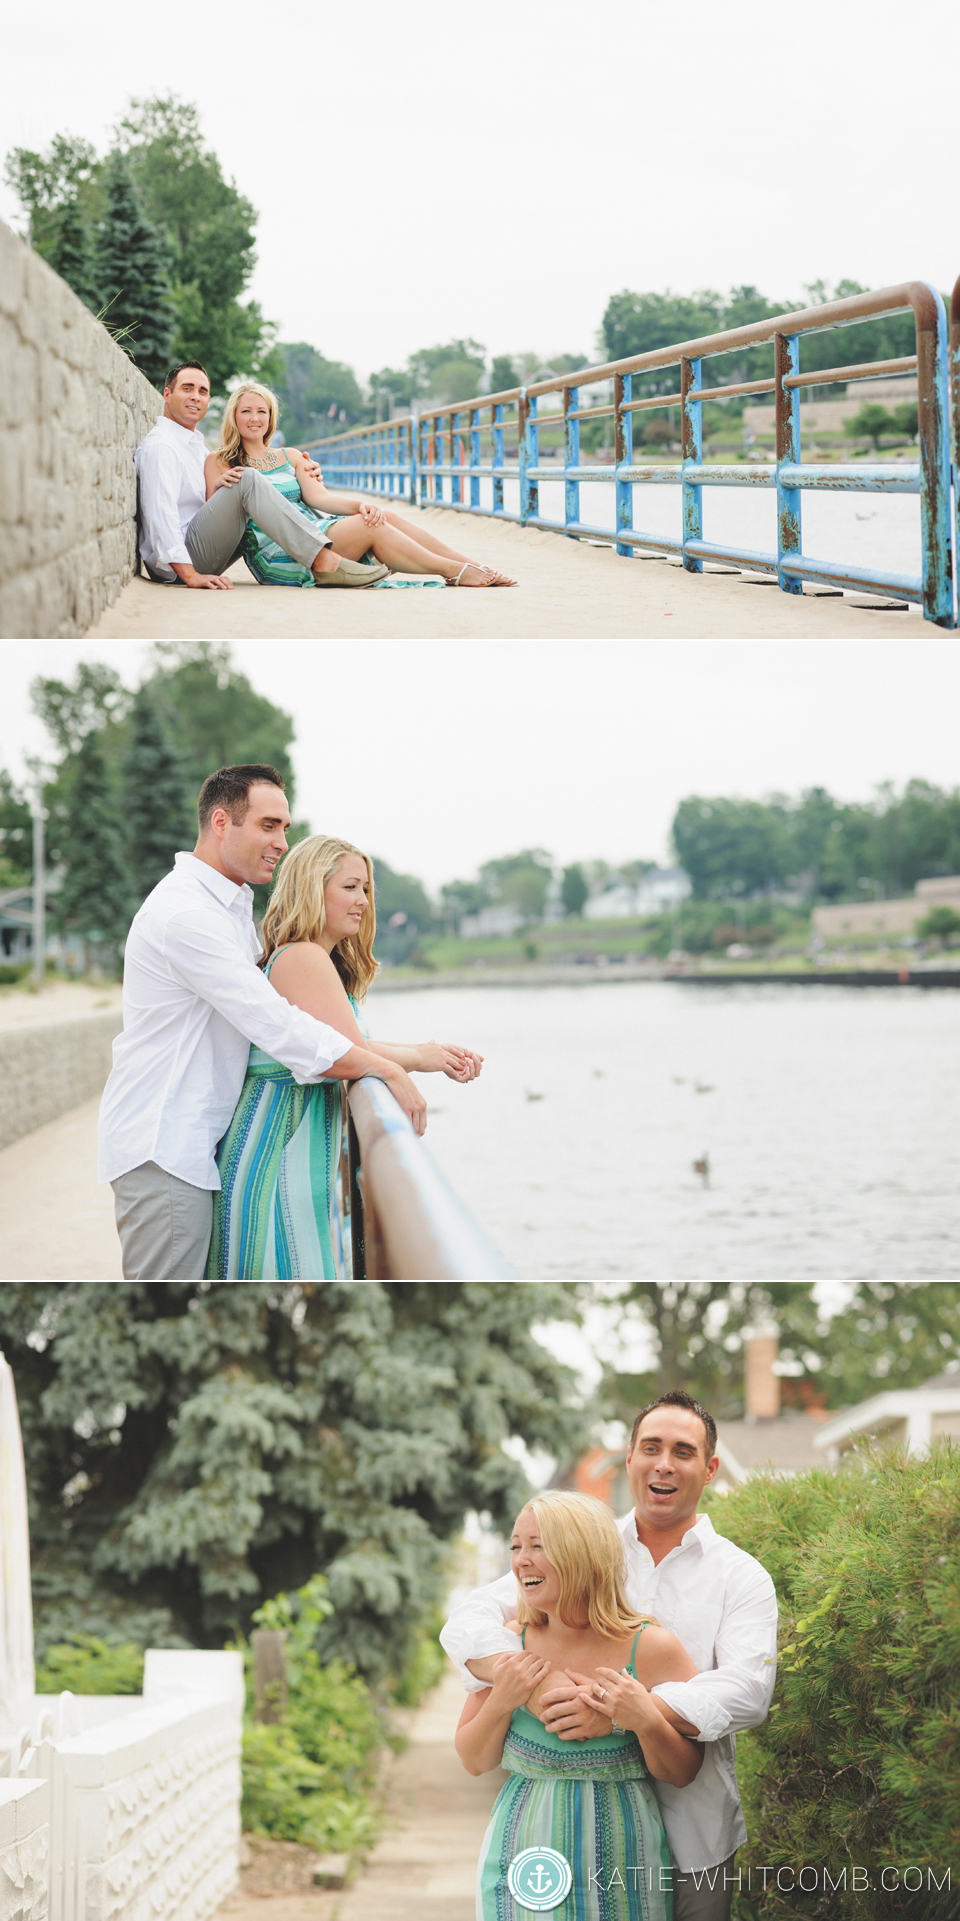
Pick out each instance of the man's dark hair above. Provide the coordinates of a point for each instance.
(230, 787)
(170, 379)
(677, 1398)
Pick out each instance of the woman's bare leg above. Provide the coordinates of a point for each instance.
(397, 549)
(425, 539)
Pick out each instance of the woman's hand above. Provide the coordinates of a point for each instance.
(515, 1678)
(618, 1695)
(372, 516)
(441, 1057)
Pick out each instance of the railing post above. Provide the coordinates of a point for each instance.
(423, 432)
(413, 431)
(623, 457)
(529, 459)
(474, 456)
(357, 1248)
(787, 361)
(571, 456)
(497, 460)
(456, 460)
(954, 384)
(692, 451)
(937, 566)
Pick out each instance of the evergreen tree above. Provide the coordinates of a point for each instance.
(133, 274)
(194, 1449)
(95, 899)
(157, 810)
(71, 255)
(213, 716)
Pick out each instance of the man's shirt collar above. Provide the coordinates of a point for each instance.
(702, 1535)
(224, 889)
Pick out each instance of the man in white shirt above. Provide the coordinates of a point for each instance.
(186, 537)
(193, 1000)
(719, 1602)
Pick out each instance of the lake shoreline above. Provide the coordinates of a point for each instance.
(615, 974)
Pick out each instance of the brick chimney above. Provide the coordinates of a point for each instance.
(761, 1346)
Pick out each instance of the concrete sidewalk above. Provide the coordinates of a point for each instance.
(425, 1866)
(568, 590)
(58, 1225)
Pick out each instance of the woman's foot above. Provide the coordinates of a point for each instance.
(474, 574)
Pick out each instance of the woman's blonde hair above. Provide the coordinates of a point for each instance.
(230, 447)
(297, 910)
(582, 1541)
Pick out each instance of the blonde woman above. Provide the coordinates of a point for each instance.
(592, 1802)
(357, 530)
(277, 1215)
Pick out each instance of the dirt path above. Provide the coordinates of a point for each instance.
(567, 590)
(424, 1868)
(58, 1225)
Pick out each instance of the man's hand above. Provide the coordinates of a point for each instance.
(564, 1710)
(191, 578)
(311, 470)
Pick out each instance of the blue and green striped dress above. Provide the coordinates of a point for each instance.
(279, 1214)
(594, 1802)
(267, 562)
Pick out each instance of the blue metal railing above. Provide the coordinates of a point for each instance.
(407, 458)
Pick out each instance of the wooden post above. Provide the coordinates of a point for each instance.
(269, 1674)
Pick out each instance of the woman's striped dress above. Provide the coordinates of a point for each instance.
(594, 1803)
(267, 562)
(279, 1214)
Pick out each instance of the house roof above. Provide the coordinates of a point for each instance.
(785, 1443)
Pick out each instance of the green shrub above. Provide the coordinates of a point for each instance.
(858, 1764)
(309, 1777)
(87, 1665)
(424, 1667)
(13, 971)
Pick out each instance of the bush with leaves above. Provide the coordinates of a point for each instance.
(858, 1763)
(308, 1776)
(89, 1665)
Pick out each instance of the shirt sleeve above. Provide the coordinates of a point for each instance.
(476, 1628)
(201, 954)
(736, 1694)
(160, 475)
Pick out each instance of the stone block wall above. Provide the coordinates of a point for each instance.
(73, 408)
(47, 1069)
(24, 1850)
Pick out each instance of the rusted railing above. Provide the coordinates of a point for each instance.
(413, 458)
(406, 1224)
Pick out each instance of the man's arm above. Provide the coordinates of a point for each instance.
(159, 475)
(475, 1631)
(735, 1694)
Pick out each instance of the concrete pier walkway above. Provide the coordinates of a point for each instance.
(568, 590)
(424, 1867)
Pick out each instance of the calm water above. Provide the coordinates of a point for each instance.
(831, 1118)
(866, 530)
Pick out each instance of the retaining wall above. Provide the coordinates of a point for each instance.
(47, 1069)
(73, 408)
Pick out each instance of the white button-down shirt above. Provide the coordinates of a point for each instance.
(193, 1000)
(721, 1604)
(169, 465)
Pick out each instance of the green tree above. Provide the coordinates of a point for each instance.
(95, 901)
(732, 846)
(503, 374)
(458, 898)
(71, 254)
(16, 833)
(46, 184)
(906, 419)
(157, 810)
(872, 421)
(573, 890)
(192, 1450)
(428, 362)
(212, 715)
(520, 881)
(96, 698)
(132, 269)
(318, 397)
(942, 924)
(401, 894)
(210, 231)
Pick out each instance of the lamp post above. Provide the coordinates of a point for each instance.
(39, 902)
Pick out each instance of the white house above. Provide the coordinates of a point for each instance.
(912, 1416)
(660, 889)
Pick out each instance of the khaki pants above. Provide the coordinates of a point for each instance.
(164, 1225)
(691, 1903)
(215, 535)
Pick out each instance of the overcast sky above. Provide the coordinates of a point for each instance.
(439, 755)
(429, 170)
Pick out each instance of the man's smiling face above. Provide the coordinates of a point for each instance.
(251, 848)
(187, 400)
(667, 1466)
